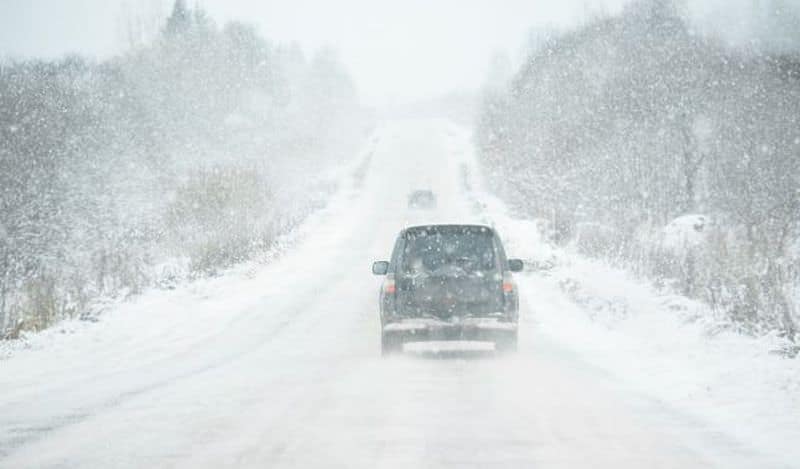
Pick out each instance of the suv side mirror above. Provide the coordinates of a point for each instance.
(380, 267)
(515, 265)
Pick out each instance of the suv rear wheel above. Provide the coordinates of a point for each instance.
(506, 344)
(391, 344)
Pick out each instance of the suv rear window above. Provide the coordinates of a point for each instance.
(447, 250)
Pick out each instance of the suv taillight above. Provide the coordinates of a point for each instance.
(508, 283)
(510, 299)
(389, 287)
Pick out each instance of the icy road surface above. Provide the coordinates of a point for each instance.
(281, 367)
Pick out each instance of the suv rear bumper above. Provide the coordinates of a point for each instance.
(424, 329)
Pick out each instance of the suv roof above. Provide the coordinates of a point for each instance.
(446, 227)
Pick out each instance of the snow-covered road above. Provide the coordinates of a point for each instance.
(279, 365)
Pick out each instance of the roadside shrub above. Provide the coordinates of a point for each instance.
(219, 216)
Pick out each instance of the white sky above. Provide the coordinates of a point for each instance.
(402, 50)
(397, 51)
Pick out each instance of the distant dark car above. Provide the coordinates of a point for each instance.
(422, 199)
(448, 282)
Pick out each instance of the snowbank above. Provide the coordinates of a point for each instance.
(666, 346)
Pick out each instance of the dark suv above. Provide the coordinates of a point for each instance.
(448, 282)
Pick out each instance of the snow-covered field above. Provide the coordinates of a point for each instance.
(277, 364)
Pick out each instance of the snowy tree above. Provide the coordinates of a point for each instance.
(628, 123)
(180, 21)
(168, 153)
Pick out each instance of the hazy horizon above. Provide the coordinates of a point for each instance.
(395, 53)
